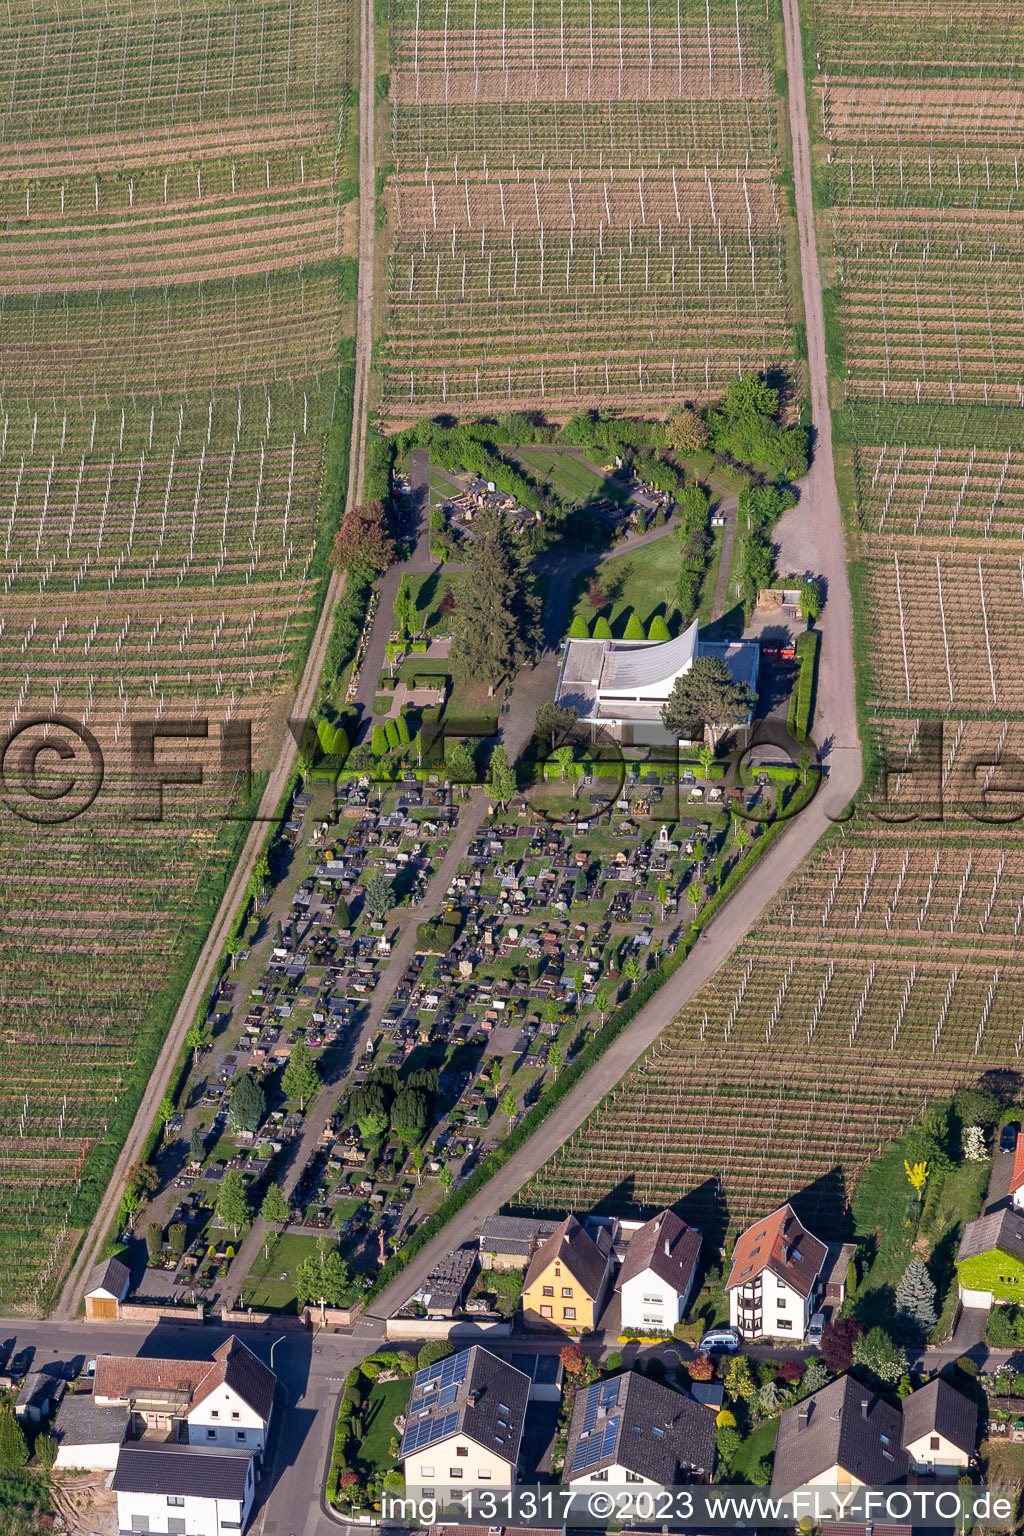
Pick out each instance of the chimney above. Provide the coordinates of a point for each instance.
(864, 1405)
(803, 1415)
(471, 1400)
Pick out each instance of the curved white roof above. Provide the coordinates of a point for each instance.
(644, 669)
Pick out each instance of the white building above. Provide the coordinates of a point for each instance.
(777, 1278)
(89, 1435)
(224, 1402)
(181, 1490)
(630, 1429)
(464, 1425)
(657, 1273)
(621, 685)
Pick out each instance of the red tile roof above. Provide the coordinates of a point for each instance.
(1017, 1176)
(781, 1244)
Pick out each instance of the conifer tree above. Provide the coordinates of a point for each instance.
(496, 623)
(915, 1297)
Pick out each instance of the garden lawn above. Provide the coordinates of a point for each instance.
(427, 592)
(264, 1288)
(386, 1400)
(641, 581)
(758, 1446)
(572, 477)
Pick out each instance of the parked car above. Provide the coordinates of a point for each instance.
(1008, 1136)
(719, 1340)
(815, 1328)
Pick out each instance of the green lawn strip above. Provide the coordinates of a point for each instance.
(707, 591)
(569, 477)
(387, 1399)
(285, 1254)
(759, 1445)
(641, 580)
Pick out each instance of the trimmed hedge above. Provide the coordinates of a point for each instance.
(801, 702)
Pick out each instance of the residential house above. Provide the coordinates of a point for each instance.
(1017, 1176)
(89, 1435)
(105, 1290)
(181, 1490)
(657, 1273)
(990, 1259)
(940, 1429)
(567, 1278)
(775, 1283)
(464, 1425)
(223, 1402)
(844, 1437)
(630, 1429)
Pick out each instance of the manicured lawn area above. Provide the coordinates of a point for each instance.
(386, 1400)
(427, 592)
(758, 1446)
(642, 581)
(265, 1288)
(572, 478)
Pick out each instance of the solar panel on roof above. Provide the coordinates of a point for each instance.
(448, 1395)
(611, 1429)
(453, 1370)
(590, 1412)
(610, 1393)
(580, 1455)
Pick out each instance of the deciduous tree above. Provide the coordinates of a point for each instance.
(363, 541)
(301, 1077)
(233, 1205)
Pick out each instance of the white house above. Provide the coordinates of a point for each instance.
(224, 1402)
(621, 685)
(776, 1279)
(630, 1429)
(464, 1425)
(181, 1490)
(940, 1429)
(657, 1273)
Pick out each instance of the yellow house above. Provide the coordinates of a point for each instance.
(567, 1279)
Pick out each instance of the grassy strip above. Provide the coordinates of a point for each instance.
(587, 1058)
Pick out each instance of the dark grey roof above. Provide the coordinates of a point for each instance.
(83, 1422)
(837, 1263)
(844, 1425)
(710, 1394)
(939, 1409)
(667, 1247)
(512, 1234)
(38, 1389)
(194, 1471)
(577, 1251)
(112, 1276)
(999, 1229)
(633, 1422)
(471, 1393)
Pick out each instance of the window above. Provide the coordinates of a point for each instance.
(426, 1471)
(549, 1290)
(240, 1436)
(462, 1450)
(484, 1474)
(781, 1301)
(546, 1312)
(566, 1290)
(235, 1415)
(569, 1313)
(633, 1477)
(785, 1322)
(211, 1434)
(230, 1525)
(454, 1471)
(934, 1443)
(428, 1493)
(652, 1317)
(140, 1522)
(176, 1501)
(176, 1525)
(652, 1301)
(214, 1413)
(599, 1477)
